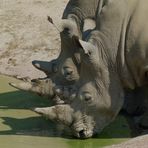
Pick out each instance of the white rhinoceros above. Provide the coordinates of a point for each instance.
(114, 57)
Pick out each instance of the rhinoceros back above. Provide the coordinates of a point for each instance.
(81, 9)
(137, 42)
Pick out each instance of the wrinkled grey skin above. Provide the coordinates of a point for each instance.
(81, 10)
(113, 57)
(78, 17)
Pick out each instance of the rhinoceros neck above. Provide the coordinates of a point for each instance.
(109, 26)
(81, 9)
(112, 27)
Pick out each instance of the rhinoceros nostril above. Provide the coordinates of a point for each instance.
(69, 73)
(82, 134)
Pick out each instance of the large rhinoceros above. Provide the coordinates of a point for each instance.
(78, 17)
(113, 58)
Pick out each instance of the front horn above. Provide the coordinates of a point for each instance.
(59, 113)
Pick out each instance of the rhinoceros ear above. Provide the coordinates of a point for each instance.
(47, 67)
(84, 47)
(70, 27)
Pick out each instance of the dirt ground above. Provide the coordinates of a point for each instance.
(139, 142)
(26, 35)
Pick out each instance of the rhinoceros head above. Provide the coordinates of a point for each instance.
(98, 94)
(63, 68)
(61, 71)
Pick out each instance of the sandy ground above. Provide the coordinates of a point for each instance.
(26, 35)
(138, 142)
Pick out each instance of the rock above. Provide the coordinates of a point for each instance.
(138, 142)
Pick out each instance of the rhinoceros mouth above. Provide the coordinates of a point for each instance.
(83, 133)
(83, 130)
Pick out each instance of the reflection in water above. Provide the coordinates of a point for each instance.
(33, 126)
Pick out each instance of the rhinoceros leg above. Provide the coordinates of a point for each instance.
(48, 68)
(144, 120)
(39, 86)
(134, 101)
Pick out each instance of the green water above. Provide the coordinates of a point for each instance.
(22, 128)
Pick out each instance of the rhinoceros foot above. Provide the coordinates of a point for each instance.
(144, 121)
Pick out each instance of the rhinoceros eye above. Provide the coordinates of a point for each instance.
(67, 71)
(87, 97)
(89, 53)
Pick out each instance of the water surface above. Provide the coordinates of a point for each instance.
(22, 128)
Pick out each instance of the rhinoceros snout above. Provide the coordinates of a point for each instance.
(83, 131)
(84, 134)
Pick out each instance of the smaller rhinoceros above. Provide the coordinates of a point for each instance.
(78, 17)
(114, 57)
(61, 71)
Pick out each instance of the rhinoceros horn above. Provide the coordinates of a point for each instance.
(84, 46)
(59, 113)
(41, 87)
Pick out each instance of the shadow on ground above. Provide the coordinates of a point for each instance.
(21, 100)
(15, 113)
